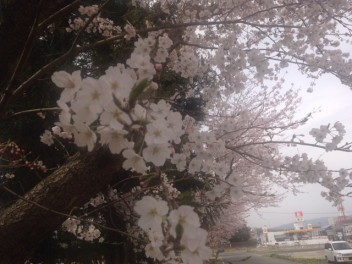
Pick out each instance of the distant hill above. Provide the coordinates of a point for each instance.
(321, 221)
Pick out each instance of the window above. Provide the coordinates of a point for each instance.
(341, 245)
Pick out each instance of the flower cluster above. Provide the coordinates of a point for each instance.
(13, 156)
(99, 25)
(97, 200)
(87, 233)
(105, 110)
(336, 132)
(167, 229)
(309, 171)
(8, 175)
(48, 137)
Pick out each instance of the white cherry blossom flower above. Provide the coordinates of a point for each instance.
(152, 212)
(119, 81)
(146, 72)
(160, 109)
(174, 124)
(113, 116)
(216, 191)
(195, 251)
(139, 61)
(157, 153)
(195, 165)
(340, 128)
(154, 252)
(9, 175)
(155, 238)
(84, 136)
(130, 30)
(115, 139)
(134, 161)
(90, 234)
(94, 95)
(47, 138)
(179, 160)
(220, 169)
(157, 132)
(161, 55)
(184, 216)
(142, 46)
(56, 130)
(139, 112)
(65, 114)
(164, 41)
(71, 225)
(70, 83)
(83, 113)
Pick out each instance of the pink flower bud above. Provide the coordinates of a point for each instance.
(158, 66)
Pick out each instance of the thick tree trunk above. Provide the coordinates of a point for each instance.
(24, 225)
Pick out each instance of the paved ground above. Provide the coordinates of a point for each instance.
(317, 254)
(236, 257)
(296, 252)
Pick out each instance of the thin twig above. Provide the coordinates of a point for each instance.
(286, 142)
(58, 14)
(26, 49)
(50, 109)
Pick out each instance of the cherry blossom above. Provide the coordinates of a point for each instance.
(115, 139)
(94, 95)
(229, 54)
(179, 160)
(153, 252)
(47, 138)
(119, 81)
(151, 212)
(84, 136)
(157, 132)
(134, 161)
(186, 217)
(196, 251)
(157, 153)
(70, 83)
(114, 116)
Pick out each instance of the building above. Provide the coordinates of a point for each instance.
(300, 234)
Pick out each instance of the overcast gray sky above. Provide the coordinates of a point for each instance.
(335, 103)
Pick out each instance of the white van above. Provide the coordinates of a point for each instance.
(338, 252)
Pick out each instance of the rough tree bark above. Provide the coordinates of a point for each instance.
(24, 225)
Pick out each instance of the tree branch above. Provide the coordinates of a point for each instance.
(288, 142)
(26, 49)
(63, 11)
(25, 225)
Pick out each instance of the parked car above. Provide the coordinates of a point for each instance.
(338, 252)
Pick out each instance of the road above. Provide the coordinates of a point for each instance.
(248, 258)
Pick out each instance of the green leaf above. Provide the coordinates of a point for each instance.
(179, 231)
(137, 90)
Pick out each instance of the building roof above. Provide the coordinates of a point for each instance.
(305, 230)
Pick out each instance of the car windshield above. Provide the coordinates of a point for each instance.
(341, 245)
